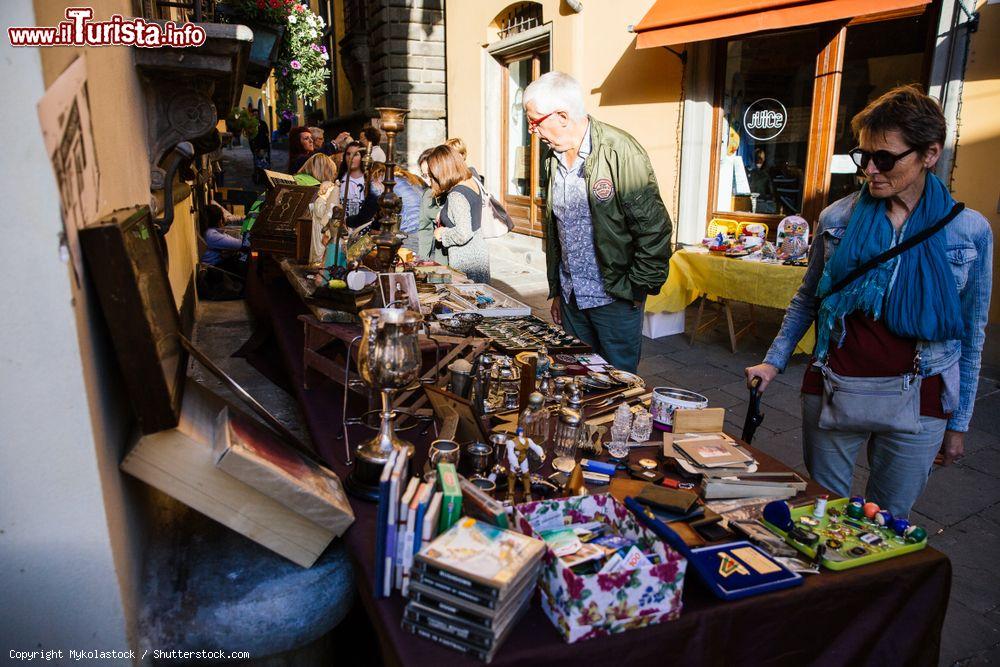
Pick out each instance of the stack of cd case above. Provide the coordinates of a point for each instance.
(469, 587)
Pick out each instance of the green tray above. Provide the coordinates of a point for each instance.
(840, 559)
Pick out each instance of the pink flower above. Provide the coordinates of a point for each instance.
(611, 580)
(315, 47)
(574, 584)
(322, 49)
(665, 572)
(296, 64)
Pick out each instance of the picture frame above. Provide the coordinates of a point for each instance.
(394, 286)
(446, 404)
(125, 261)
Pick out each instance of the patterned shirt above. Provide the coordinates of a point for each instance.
(579, 273)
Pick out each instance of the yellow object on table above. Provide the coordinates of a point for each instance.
(694, 273)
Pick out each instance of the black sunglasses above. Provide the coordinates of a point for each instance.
(884, 160)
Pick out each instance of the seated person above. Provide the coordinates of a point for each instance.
(222, 250)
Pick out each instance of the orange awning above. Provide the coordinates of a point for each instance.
(671, 22)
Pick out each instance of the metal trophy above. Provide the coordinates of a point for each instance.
(388, 361)
(389, 239)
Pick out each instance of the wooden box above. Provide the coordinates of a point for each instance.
(284, 224)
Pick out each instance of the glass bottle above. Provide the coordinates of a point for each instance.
(545, 385)
(642, 425)
(621, 428)
(542, 363)
(566, 438)
(534, 419)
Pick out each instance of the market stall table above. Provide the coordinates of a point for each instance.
(694, 274)
(888, 612)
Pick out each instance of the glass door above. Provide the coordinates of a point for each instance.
(522, 155)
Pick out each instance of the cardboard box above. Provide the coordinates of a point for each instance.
(658, 325)
(248, 451)
(585, 606)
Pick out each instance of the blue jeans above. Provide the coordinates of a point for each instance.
(900, 462)
(614, 330)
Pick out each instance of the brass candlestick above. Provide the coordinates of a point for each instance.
(390, 206)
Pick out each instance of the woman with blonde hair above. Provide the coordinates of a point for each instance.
(320, 170)
(459, 223)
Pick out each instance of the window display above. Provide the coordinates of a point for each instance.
(764, 131)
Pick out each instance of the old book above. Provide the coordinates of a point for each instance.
(180, 463)
(480, 505)
(483, 553)
(712, 452)
(425, 593)
(467, 647)
(252, 454)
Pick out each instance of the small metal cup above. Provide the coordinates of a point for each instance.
(478, 458)
(443, 451)
(511, 397)
(460, 383)
(499, 442)
(485, 484)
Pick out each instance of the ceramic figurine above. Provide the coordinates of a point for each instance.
(792, 237)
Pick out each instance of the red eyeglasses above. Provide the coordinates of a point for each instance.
(533, 124)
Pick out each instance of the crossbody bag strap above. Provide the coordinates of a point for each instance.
(897, 249)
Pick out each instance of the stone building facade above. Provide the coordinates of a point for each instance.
(393, 54)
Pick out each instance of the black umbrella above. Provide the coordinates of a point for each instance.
(754, 416)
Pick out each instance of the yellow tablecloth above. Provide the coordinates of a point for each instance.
(695, 273)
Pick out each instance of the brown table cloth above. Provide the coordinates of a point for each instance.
(886, 613)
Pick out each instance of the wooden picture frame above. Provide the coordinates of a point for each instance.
(445, 404)
(125, 262)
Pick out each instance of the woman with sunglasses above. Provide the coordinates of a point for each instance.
(918, 317)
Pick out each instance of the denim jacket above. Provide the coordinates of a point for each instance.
(969, 244)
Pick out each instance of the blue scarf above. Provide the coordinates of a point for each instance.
(914, 294)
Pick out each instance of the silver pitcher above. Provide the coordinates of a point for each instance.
(388, 361)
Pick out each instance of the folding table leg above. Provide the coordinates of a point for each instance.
(697, 321)
(729, 323)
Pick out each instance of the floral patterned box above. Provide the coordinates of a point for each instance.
(585, 606)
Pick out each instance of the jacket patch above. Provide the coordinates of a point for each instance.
(603, 189)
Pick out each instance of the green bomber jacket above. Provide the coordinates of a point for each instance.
(631, 225)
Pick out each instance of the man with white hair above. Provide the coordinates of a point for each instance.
(607, 230)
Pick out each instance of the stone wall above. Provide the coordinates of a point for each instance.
(406, 68)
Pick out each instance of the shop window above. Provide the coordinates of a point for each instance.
(784, 104)
(877, 57)
(764, 129)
